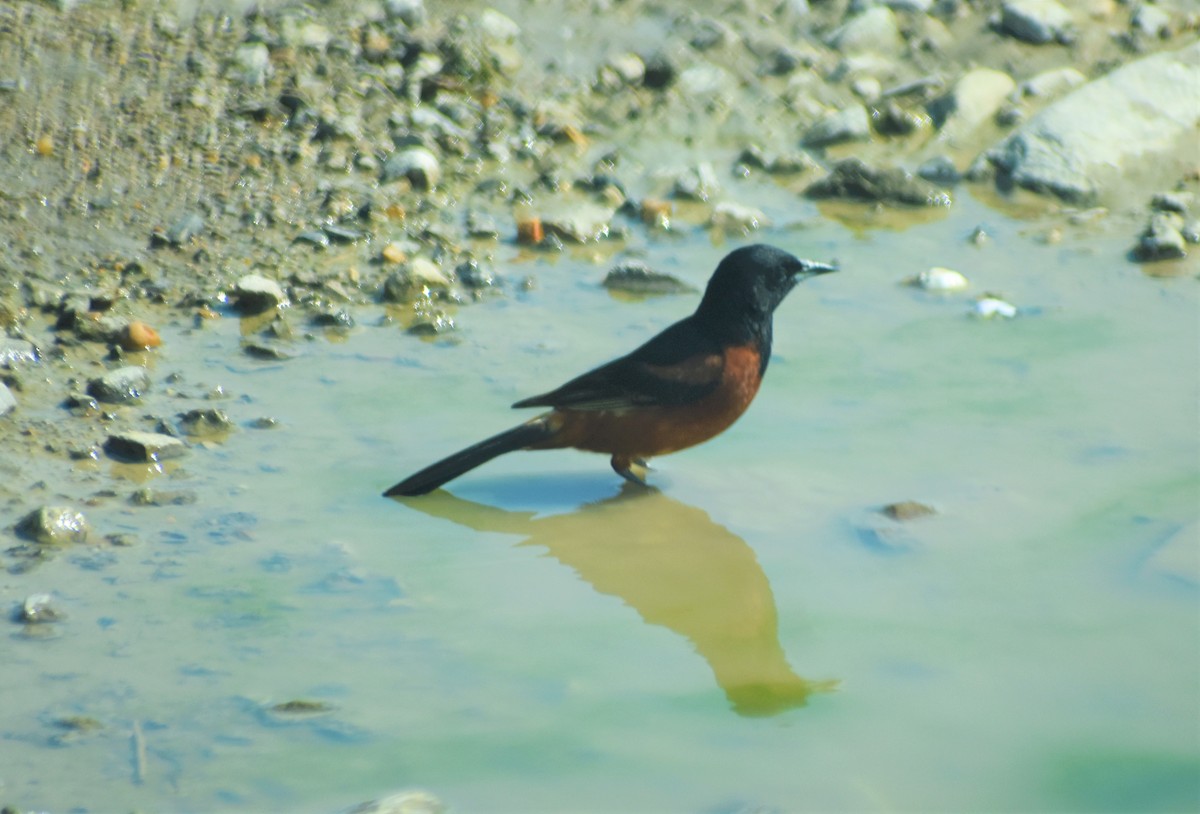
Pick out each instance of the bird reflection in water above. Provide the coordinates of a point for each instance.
(677, 568)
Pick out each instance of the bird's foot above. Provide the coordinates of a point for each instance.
(631, 469)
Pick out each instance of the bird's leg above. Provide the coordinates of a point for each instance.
(631, 469)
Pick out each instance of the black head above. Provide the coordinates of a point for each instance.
(748, 286)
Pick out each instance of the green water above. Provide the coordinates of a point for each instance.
(751, 636)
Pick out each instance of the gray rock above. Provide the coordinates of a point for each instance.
(416, 278)
(40, 609)
(417, 164)
(635, 277)
(143, 446)
(8, 401)
(874, 30)
(1163, 238)
(54, 525)
(120, 385)
(205, 422)
(159, 497)
(1036, 21)
(851, 178)
(1147, 110)
(1179, 202)
(777, 163)
(940, 170)
(850, 124)
(256, 294)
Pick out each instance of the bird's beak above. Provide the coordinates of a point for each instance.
(811, 268)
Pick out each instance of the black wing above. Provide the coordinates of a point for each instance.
(678, 366)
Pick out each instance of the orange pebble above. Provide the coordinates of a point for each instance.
(45, 146)
(530, 231)
(138, 336)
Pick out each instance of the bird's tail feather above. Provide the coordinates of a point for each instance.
(447, 469)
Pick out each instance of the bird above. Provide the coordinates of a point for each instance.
(684, 386)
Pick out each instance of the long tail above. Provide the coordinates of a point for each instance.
(447, 469)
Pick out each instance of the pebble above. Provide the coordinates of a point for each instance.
(853, 179)
(159, 497)
(255, 294)
(138, 447)
(120, 385)
(939, 279)
(530, 231)
(907, 510)
(206, 422)
(1036, 21)
(1163, 238)
(138, 336)
(54, 525)
(989, 306)
(417, 164)
(940, 170)
(40, 609)
(628, 68)
(849, 124)
(635, 277)
(417, 278)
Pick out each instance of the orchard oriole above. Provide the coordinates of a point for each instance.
(684, 386)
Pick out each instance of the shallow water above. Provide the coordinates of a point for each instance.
(751, 633)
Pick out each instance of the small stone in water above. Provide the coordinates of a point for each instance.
(54, 525)
(989, 306)
(907, 510)
(256, 294)
(39, 609)
(120, 385)
(635, 277)
(143, 446)
(206, 421)
(939, 279)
